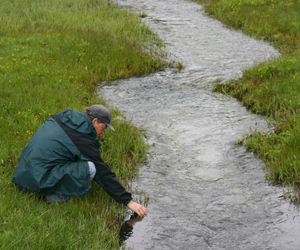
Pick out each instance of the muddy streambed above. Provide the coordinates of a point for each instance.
(205, 192)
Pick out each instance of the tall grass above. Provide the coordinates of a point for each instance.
(271, 88)
(53, 53)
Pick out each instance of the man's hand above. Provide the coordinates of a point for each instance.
(139, 209)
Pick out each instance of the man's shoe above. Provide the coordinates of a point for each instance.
(58, 197)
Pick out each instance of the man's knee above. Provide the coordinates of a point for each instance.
(92, 169)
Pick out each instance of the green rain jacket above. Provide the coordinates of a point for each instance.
(55, 161)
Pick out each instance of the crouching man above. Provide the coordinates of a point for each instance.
(63, 157)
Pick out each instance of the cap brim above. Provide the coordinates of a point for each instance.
(110, 126)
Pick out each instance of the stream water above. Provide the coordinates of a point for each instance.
(205, 192)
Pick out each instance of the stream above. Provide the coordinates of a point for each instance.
(205, 191)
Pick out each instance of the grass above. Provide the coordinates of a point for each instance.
(53, 53)
(271, 88)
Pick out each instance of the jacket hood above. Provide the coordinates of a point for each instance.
(78, 121)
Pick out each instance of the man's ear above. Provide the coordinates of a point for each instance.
(95, 120)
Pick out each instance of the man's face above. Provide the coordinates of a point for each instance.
(99, 127)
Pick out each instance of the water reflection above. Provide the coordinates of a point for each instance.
(126, 229)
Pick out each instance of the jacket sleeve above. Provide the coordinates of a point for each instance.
(104, 176)
(89, 148)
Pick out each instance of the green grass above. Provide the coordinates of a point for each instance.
(53, 53)
(271, 88)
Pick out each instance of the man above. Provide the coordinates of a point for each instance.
(63, 157)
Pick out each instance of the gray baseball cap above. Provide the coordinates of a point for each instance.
(102, 113)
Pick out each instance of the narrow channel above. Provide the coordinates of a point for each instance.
(205, 192)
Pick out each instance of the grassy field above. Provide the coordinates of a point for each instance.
(53, 53)
(271, 88)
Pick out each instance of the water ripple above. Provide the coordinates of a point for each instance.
(205, 191)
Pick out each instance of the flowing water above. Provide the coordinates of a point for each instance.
(205, 192)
